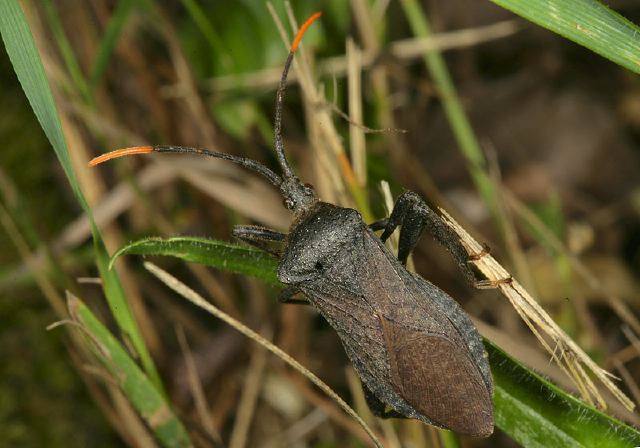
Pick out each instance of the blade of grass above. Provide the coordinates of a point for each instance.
(529, 408)
(536, 413)
(326, 137)
(27, 64)
(586, 22)
(567, 354)
(208, 31)
(199, 301)
(70, 60)
(214, 253)
(109, 41)
(449, 439)
(487, 188)
(43, 281)
(142, 394)
(462, 130)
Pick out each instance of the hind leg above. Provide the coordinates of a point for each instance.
(413, 215)
(377, 407)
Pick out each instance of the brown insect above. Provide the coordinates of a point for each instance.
(413, 346)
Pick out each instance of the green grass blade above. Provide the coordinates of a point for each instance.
(27, 64)
(109, 41)
(142, 394)
(199, 17)
(536, 413)
(68, 55)
(529, 408)
(586, 22)
(456, 115)
(219, 254)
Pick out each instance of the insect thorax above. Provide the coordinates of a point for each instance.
(316, 240)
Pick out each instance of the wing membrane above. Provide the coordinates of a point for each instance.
(438, 378)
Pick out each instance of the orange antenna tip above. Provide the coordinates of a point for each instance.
(302, 29)
(119, 153)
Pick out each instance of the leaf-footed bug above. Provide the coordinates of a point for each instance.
(413, 346)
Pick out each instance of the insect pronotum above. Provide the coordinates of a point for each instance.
(413, 346)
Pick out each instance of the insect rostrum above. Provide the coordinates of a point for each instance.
(412, 345)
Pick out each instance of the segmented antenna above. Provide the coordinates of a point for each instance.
(247, 163)
(279, 143)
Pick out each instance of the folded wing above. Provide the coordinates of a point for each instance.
(439, 379)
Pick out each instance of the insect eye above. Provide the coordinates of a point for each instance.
(319, 266)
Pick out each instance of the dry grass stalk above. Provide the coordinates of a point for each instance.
(249, 399)
(298, 431)
(197, 391)
(336, 174)
(403, 49)
(563, 350)
(357, 141)
(200, 302)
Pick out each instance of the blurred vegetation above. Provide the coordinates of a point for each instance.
(561, 124)
(43, 402)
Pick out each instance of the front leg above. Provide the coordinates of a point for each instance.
(414, 215)
(379, 224)
(259, 237)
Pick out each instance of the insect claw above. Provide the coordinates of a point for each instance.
(492, 284)
(486, 250)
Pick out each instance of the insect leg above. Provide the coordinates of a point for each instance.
(377, 407)
(259, 237)
(414, 215)
(379, 224)
(287, 294)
